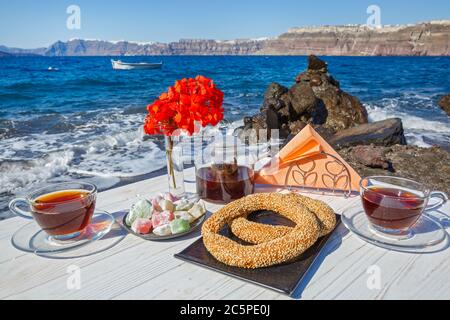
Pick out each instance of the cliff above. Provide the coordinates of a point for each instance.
(79, 47)
(423, 39)
(22, 52)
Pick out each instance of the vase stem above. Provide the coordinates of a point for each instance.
(175, 165)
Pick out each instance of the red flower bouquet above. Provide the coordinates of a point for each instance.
(187, 104)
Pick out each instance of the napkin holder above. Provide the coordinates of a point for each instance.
(309, 164)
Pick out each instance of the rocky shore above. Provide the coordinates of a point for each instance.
(430, 166)
(378, 148)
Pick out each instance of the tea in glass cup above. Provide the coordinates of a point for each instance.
(394, 205)
(225, 170)
(62, 210)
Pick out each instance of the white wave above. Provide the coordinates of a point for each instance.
(409, 121)
(108, 147)
(419, 131)
(17, 175)
(417, 140)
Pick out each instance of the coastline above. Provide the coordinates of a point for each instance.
(420, 39)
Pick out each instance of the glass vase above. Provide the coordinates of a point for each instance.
(175, 166)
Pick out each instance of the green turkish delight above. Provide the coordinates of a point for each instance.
(140, 210)
(179, 226)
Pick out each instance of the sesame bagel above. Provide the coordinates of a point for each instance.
(274, 245)
(256, 233)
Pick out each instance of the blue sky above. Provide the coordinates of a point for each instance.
(31, 23)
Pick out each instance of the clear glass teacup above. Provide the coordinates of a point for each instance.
(394, 205)
(62, 210)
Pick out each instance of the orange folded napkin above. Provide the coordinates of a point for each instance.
(308, 160)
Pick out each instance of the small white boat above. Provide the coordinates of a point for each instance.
(119, 65)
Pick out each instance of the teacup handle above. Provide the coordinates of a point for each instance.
(17, 211)
(437, 194)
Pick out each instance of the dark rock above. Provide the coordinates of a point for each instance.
(371, 156)
(275, 90)
(344, 110)
(315, 81)
(273, 119)
(253, 127)
(430, 166)
(303, 77)
(334, 82)
(296, 127)
(248, 121)
(315, 64)
(275, 97)
(303, 100)
(259, 121)
(338, 109)
(383, 133)
(324, 132)
(315, 98)
(444, 103)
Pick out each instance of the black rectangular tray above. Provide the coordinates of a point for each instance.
(283, 278)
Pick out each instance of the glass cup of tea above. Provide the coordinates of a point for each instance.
(62, 210)
(394, 205)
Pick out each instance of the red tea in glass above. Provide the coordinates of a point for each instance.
(224, 169)
(225, 182)
(63, 212)
(391, 208)
(394, 205)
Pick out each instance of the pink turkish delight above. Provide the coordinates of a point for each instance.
(162, 218)
(142, 226)
(155, 205)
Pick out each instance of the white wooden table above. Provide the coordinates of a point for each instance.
(138, 269)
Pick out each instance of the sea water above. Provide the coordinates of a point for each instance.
(84, 120)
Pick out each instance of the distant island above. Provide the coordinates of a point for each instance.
(421, 39)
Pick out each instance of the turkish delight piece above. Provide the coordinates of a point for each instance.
(183, 205)
(155, 204)
(167, 205)
(162, 218)
(179, 226)
(184, 215)
(198, 210)
(142, 226)
(169, 196)
(140, 210)
(163, 230)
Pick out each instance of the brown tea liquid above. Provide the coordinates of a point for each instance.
(392, 208)
(224, 183)
(64, 212)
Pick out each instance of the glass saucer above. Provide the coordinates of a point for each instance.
(427, 235)
(31, 238)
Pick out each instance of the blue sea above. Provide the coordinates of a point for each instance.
(84, 120)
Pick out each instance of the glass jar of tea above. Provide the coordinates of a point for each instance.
(225, 170)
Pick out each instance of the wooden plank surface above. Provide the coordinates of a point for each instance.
(138, 269)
